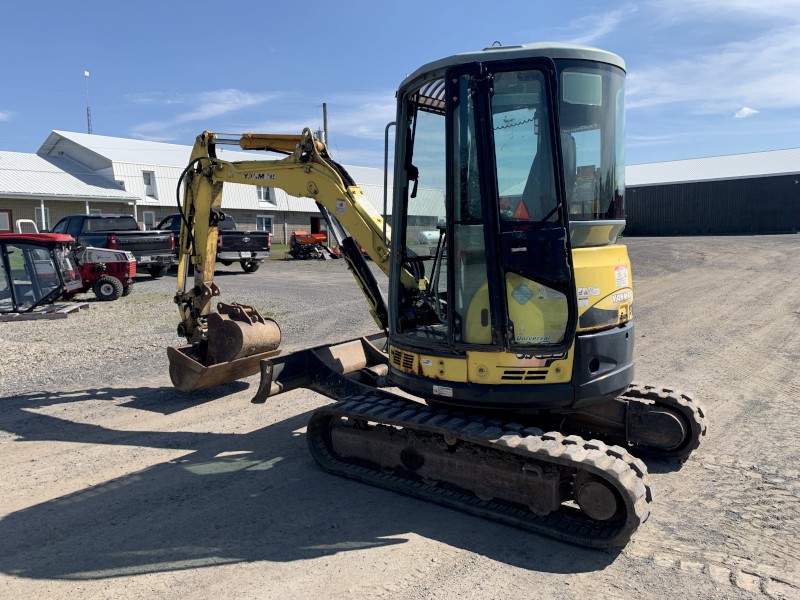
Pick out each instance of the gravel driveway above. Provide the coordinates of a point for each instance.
(116, 486)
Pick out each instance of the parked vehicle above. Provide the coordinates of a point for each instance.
(305, 246)
(154, 250)
(250, 248)
(108, 273)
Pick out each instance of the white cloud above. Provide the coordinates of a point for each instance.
(220, 102)
(745, 10)
(758, 68)
(594, 27)
(759, 71)
(363, 116)
(201, 107)
(5, 115)
(745, 112)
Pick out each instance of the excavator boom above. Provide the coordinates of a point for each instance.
(228, 344)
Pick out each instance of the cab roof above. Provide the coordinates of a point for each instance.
(554, 50)
(37, 238)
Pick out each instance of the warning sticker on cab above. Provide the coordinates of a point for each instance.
(621, 276)
(586, 292)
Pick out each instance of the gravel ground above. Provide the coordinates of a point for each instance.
(116, 486)
(111, 342)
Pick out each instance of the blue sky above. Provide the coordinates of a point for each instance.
(705, 78)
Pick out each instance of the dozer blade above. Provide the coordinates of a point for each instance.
(334, 370)
(238, 338)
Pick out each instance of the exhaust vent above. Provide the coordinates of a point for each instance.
(405, 361)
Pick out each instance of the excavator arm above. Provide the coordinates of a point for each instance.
(232, 340)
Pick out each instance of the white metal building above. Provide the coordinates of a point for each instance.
(84, 173)
(42, 188)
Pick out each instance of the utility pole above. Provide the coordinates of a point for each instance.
(88, 110)
(329, 234)
(325, 121)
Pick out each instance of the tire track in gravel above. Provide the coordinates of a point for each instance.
(740, 516)
(732, 335)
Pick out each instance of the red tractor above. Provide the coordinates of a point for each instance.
(305, 246)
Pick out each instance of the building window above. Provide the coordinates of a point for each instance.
(43, 221)
(5, 221)
(149, 219)
(264, 194)
(149, 179)
(264, 223)
(95, 211)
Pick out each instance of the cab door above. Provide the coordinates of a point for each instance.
(480, 248)
(512, 280)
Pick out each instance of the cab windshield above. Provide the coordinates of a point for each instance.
(592, 123)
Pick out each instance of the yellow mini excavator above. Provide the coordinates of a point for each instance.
(501, 380)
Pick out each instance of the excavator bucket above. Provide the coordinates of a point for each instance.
(237, 340)
(230, 339)
(189, 375)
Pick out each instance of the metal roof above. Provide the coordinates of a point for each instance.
(715, 168)
(30, 175)
(124, 150)
(121, 149)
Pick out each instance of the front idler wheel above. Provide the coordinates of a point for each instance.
(595, 497)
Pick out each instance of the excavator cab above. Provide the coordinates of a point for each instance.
(515, 153)
(506, 226)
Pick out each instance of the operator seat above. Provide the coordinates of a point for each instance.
(539, 195)
(569, 155)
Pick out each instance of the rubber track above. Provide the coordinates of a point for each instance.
(627, 474)
(690, 409)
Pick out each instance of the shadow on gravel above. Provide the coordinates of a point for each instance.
(660, 467)
(163, 400)
(236, 498)
(16, 417)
